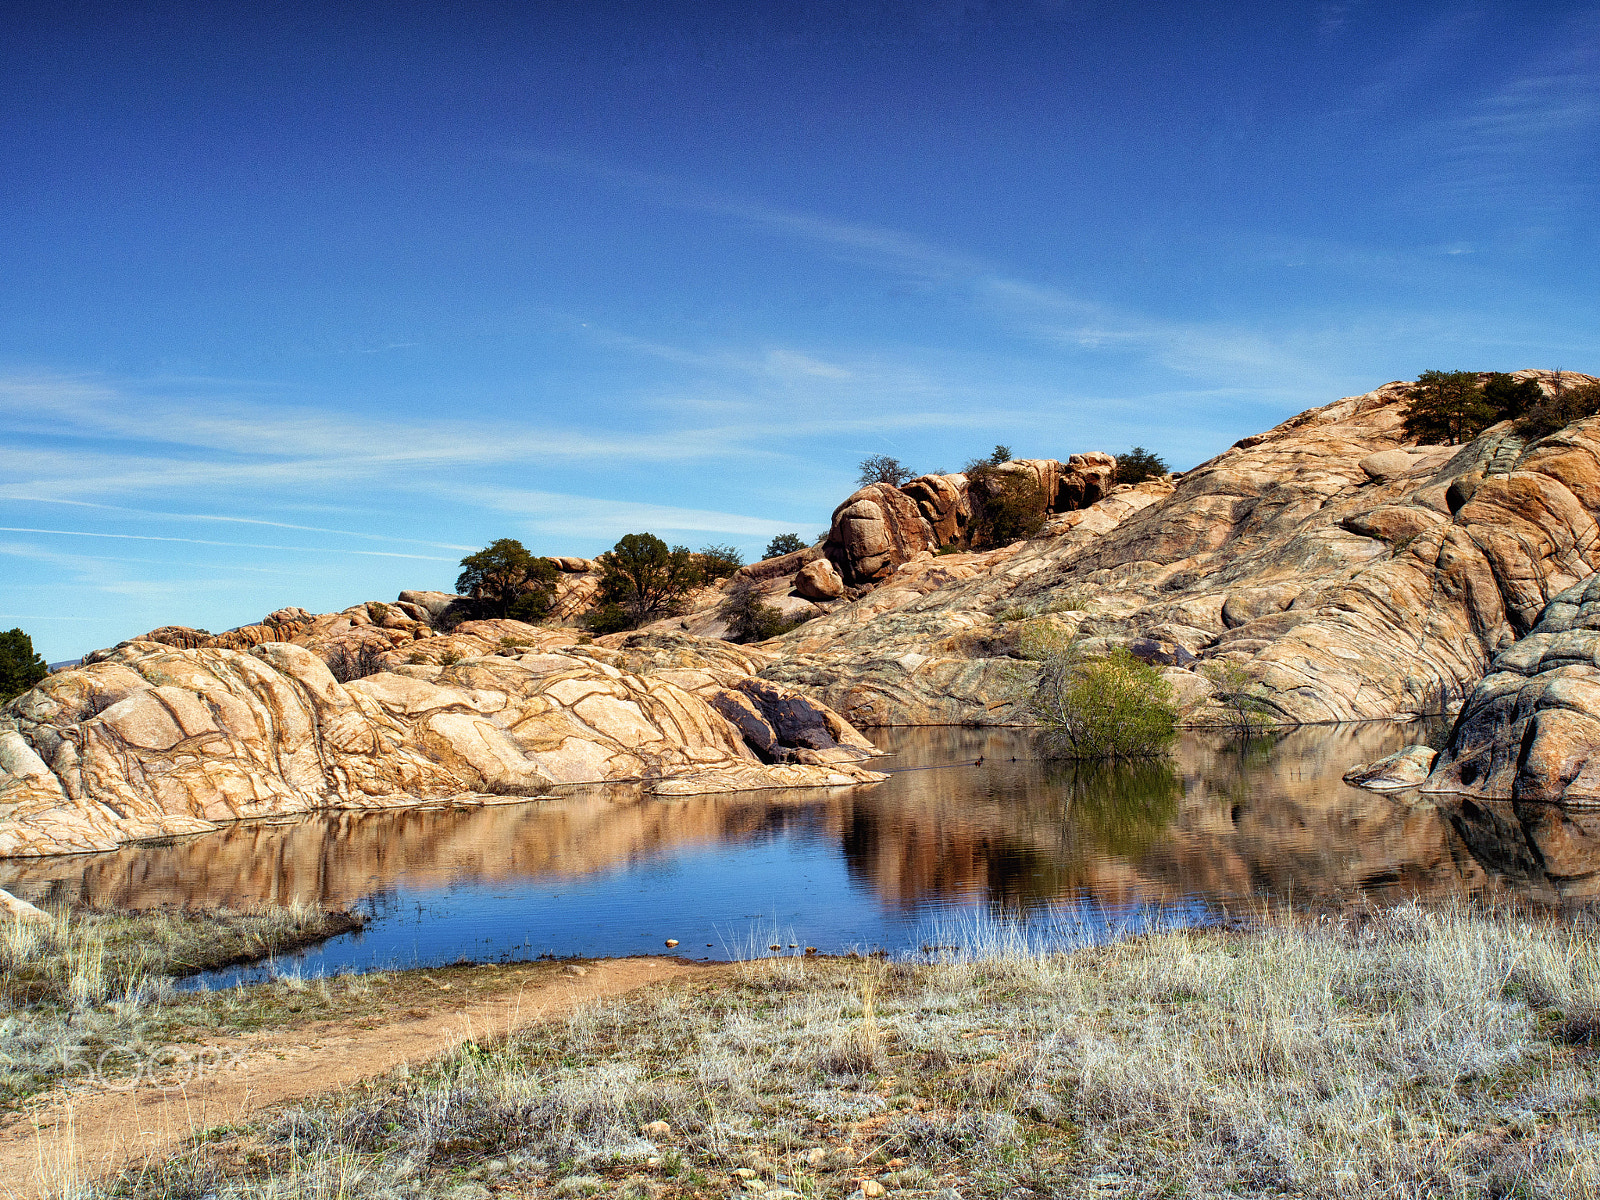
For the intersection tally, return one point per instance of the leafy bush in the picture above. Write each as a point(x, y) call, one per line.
point(1138, 465)
point(1000, 454)
point(1098, 708)
point(1557, 411)
point(608, 618)
point(784, 543)
point(880, 468)
point(719, 562)
point(503, 576)
point(1448, 407)
point(751, 619)
point(20, 666)
point(645, 580)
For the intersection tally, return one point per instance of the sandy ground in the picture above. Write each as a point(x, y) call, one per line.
point(69, 1136)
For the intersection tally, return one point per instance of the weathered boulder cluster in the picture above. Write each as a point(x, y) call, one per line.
point(881, 526)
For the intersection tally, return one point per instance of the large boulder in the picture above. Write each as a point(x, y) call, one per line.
point(819, 580)
point(874, 531)
point(1530, 730)
point(1404, 769)
point(1084, 480)
point(942, 501)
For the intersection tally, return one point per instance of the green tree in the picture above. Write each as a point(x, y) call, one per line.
point(645, 579)
point(880, 468)
point(784, 543)
point(1447, 407)
point(1000, 454)
point(1139, 464)
point(1107, 707)
point(718, 562)
point(1510, 396)
point(20, 667)
point(503, 576)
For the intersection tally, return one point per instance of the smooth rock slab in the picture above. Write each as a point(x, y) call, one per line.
point(1405, 768)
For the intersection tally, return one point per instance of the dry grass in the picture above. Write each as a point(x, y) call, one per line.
point(1406, 1054)
point(92, 992)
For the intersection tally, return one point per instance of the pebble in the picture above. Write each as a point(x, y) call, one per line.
point(671, 942)
point(575, 969)
point(871, 1188)
point(744, 1173)
point(656, 1129)
point(816, 1156)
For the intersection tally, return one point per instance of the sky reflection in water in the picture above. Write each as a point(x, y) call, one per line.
point(1085, 853)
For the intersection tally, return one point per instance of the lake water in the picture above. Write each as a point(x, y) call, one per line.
point(1080, 852)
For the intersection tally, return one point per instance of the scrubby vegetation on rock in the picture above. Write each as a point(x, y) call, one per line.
point(1561, 408)
point(750, 618)
point(880, 468)
point(1139, 464)
point(646, 580)
point(1447, 407)
point(719, 562)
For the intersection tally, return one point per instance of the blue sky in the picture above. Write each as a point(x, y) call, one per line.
point(299, 303)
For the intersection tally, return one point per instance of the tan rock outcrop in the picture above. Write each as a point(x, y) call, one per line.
point(874, 531)
point(149, 740)
point(942, 501)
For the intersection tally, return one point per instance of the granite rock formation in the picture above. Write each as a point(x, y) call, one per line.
point(153, 740)
point(1530, 731)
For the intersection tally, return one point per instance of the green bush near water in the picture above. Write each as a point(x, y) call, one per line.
point(1113, 706)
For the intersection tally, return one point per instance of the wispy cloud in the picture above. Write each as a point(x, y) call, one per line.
point(583, 516)
point(158, 514)
point(148, 537)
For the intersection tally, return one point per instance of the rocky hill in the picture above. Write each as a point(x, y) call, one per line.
point(1347, 573)
point(1353, 575)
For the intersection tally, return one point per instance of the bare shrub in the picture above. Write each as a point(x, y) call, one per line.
point(348, 666)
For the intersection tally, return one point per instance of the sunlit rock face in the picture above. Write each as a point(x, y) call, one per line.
point(1353, 574)
point(151, 740)
point(1530, 730)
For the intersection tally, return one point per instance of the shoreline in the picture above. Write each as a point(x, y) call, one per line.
point(1305, 1055)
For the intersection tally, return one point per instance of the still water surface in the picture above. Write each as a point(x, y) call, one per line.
point(1085, 851)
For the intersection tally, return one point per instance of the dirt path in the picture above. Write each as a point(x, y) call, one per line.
point(74, 1137)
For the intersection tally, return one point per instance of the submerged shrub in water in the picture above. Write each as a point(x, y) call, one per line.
point(1108, 707)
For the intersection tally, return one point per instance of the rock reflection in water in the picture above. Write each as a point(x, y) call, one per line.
point(1219, 824)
